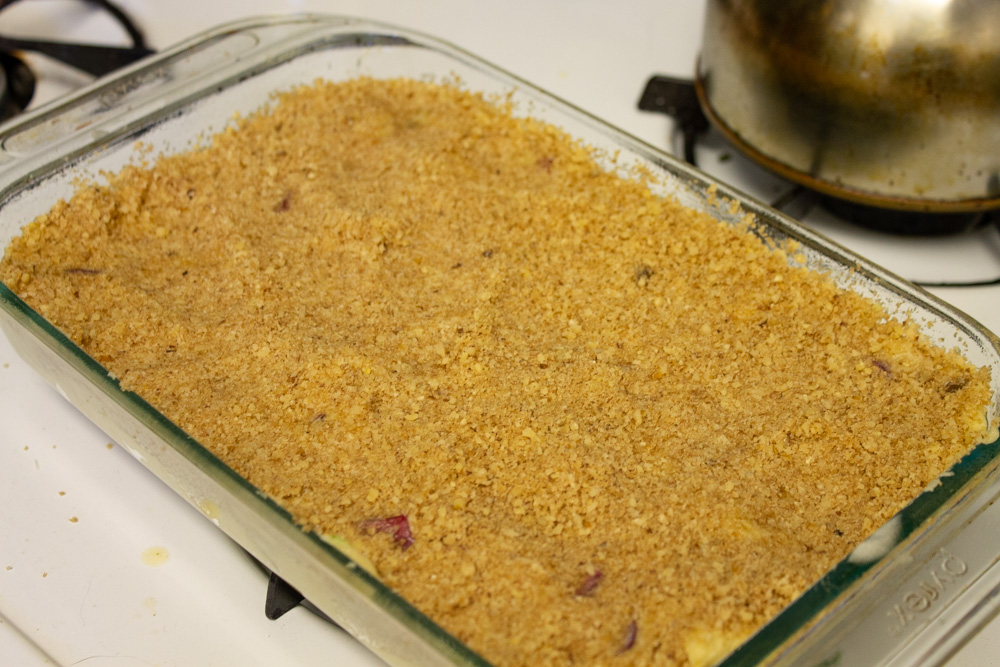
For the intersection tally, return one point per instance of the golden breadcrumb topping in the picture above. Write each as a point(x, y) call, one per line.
point(571, 421)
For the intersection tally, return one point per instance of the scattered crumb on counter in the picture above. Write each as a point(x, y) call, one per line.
point(446, 336)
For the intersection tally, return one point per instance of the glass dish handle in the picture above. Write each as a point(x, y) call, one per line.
point(110, 105)
point(925, 606)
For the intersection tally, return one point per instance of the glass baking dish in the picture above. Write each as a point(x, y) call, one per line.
point(910, 594)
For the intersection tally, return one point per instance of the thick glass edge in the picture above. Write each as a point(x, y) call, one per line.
point(790, 621)
point(359, 33)
point(213, 467)
point(917, 516)
point(134, 72)
point(803, 614)
point(136, 102)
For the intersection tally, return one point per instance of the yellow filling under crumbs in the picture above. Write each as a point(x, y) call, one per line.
point(619, 431)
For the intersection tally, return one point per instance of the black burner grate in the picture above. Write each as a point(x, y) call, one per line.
point(282, 597)
point(17, 85)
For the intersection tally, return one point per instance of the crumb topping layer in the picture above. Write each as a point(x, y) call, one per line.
point(571, 421)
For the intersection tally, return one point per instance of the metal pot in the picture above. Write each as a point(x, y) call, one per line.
point(889, 103)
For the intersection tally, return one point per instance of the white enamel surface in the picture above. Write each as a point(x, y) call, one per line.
point(142, 578)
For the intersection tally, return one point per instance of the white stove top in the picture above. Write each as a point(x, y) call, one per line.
point(101, 564)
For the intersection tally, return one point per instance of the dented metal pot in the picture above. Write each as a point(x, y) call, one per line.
point(890, 103)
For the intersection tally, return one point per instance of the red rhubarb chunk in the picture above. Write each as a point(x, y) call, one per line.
point(399, 526)
point(882, 366)
point(589, 584)
point(631, 632)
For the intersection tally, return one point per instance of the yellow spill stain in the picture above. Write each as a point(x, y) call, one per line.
point(155, 556)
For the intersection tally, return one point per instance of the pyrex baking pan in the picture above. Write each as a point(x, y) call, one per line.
point(910, 593)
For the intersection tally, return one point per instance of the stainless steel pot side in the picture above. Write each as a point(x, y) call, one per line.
point(892, 103)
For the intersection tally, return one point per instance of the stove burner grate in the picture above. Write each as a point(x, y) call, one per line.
point(282, 597)
point(17, 85)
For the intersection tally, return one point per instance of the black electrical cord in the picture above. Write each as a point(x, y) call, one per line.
point(126, 22)
point(90, 58)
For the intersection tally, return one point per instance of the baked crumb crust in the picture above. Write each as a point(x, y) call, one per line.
point(619, 431)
